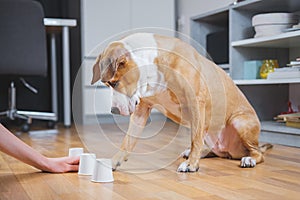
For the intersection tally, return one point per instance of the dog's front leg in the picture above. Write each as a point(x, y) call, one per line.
point(197, 130)
point(136, 125)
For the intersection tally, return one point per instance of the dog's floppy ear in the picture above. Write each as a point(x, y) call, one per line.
point(96, 71)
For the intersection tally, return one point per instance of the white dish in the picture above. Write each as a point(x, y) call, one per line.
point(267, 30)
point(274, 18)
point(292, 29)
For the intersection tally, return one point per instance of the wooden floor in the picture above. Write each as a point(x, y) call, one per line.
point(277, 178)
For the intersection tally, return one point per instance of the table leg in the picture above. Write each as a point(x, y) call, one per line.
point(54, 74)
point(66, 76)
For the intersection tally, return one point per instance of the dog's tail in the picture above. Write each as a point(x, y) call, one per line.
point(263, 148)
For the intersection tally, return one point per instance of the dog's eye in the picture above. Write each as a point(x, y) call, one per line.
point(113, 84)
point(121, 64)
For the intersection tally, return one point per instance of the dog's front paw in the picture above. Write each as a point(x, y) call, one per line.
point(248, 162)
point(118, 158)
point(186, 153)
point(187, 167)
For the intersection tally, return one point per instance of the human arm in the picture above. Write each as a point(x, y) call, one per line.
point(16, 148)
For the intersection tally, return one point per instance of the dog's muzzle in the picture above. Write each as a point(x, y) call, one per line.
point(115, 110)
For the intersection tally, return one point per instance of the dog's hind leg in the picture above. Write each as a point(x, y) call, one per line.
point(136, 126)
point(248, 128)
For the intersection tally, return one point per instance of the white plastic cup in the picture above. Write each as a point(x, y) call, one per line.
point(102, 171)
point(86, 164)
point(73, 152)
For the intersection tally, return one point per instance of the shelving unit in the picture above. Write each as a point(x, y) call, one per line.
point(284, 40)
point(283, 47)
point(205, 24)
point(268, 97)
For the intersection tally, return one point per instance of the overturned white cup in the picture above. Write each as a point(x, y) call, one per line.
point(87, 163)
point(102, 171)
point(75, 151)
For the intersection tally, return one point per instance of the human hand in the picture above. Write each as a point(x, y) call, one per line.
point(61, 164)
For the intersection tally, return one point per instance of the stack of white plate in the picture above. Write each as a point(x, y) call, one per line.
point(273, 23)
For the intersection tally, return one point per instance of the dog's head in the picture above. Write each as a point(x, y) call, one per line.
point(115, 68)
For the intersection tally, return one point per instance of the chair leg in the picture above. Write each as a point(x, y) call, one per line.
point(4, 113)
point(12, 97)
point(28, 120)
point(12, 112)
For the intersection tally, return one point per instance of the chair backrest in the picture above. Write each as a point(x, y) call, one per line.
point(23, 48)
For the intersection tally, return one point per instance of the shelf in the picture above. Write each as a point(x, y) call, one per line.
point(284, 40)
point(277, 133)
point(273, 126)
point(224, 66)
point(220, 14)
point(264, 6)
point(266, 81)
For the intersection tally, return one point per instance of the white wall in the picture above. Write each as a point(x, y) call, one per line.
point(190, 8)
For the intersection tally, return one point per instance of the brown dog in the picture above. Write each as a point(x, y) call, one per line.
point(147, 70)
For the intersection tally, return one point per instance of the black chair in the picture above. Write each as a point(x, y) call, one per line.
point(23, 52)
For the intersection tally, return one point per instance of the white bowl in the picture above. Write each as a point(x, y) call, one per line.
point(268, 30)
point(274, 18)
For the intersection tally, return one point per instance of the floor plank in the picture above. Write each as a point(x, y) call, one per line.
point(142, 176)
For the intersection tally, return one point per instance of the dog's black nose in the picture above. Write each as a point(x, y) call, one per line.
point(115, 110)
